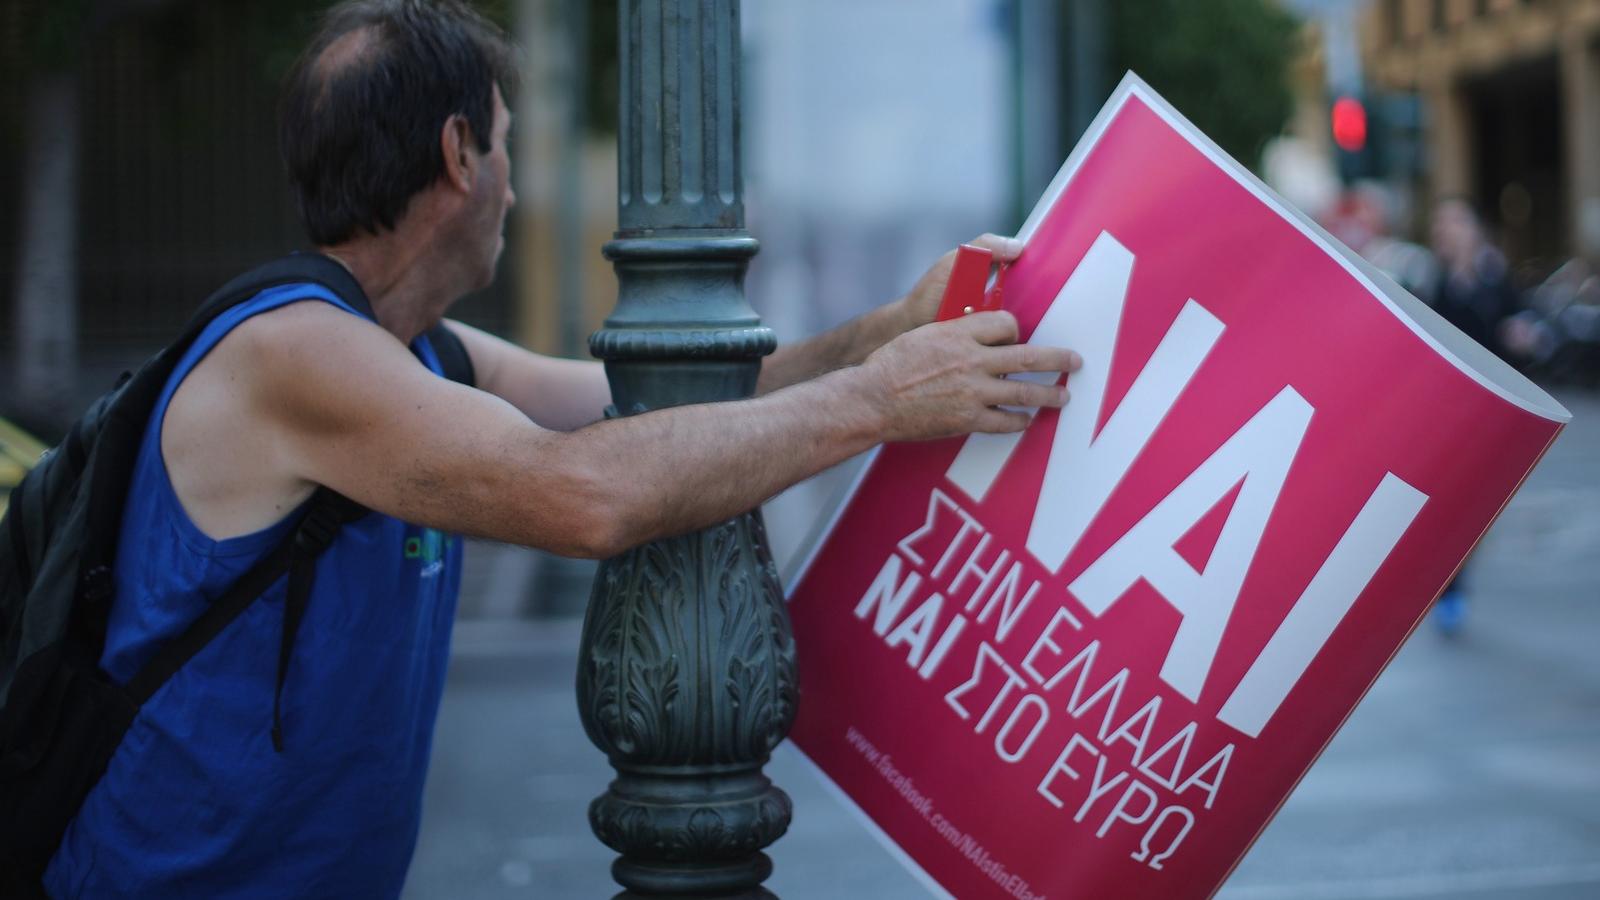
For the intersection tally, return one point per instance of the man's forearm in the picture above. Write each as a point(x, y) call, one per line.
point(685, 468)
point(673, 471)
point(612, 485)
point(845, 345)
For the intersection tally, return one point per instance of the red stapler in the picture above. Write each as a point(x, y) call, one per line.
point(965, 292)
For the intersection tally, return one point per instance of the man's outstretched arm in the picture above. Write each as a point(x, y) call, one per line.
point(348, 407)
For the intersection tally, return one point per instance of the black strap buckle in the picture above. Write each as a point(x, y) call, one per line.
point(315, 533)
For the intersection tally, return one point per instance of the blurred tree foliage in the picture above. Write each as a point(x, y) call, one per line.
point(41, 34)
point(1222, 63)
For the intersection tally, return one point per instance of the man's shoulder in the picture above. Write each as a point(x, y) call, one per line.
point(307, 331)
point(280, 378)
point(307, 309)
point(281, 362)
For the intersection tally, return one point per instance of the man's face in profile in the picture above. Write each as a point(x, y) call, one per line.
point(492, 197)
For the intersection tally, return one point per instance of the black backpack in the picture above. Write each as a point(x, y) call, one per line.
point(61, 716)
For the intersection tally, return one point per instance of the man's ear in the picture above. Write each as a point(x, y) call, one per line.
point(460, 160)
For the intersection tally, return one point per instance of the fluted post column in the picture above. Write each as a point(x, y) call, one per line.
point(686, 675)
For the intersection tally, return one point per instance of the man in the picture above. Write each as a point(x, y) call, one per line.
point(394, 131)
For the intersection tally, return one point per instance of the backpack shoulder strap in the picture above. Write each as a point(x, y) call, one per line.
point(326, 512)
point(453, 357)
point(313, 267)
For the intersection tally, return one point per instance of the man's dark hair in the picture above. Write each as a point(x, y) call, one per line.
point(364, 105)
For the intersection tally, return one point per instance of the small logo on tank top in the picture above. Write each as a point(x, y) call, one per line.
point(427, 547)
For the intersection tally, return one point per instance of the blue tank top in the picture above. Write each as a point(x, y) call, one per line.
point(196, 802)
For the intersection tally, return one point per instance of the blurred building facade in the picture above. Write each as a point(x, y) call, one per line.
point(1510, 94)
point(140, 168)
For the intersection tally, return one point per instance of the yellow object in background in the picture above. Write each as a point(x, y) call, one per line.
point(19, 451)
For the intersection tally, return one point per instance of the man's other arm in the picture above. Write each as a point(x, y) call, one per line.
point(347, 406)
point(559, 394)
point(855, 340)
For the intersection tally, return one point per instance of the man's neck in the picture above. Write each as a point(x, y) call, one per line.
point(407, 293)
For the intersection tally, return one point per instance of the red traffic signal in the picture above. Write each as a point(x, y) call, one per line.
point(1349, 124)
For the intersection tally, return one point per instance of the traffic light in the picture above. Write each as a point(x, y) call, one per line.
point(1377, 134)
point(1354, 149)
point(1349, 124)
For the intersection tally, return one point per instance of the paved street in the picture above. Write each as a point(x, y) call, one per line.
point(1472, 770)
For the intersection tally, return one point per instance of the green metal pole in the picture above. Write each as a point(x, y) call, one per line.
point(686, 673)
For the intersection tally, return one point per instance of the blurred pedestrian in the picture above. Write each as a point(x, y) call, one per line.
point(1412, 266)
point(1474, 291)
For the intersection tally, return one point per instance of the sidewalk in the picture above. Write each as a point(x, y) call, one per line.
point(1472, 770)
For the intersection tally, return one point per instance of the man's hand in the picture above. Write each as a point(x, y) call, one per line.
point(948, 378)
point(921, 305)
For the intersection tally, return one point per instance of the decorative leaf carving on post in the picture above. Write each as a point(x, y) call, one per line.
point(689, 664)
point(649, 645)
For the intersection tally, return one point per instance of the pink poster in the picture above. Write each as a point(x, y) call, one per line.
point(1093, 659)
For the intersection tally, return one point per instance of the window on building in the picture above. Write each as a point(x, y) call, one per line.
point(1394, 31)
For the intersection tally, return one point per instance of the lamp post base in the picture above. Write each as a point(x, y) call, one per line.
point(687, 682)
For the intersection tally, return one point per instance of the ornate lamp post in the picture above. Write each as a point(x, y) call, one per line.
point(686, 673)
